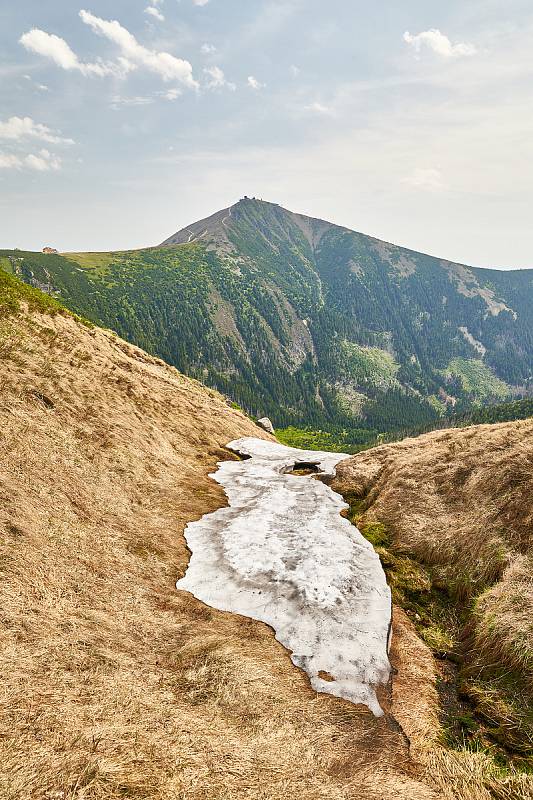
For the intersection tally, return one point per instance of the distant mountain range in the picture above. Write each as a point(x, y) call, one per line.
point(305, 321)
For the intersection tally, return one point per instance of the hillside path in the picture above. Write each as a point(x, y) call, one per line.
point(282, 553)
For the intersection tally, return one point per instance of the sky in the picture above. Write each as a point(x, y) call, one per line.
point(122, 121)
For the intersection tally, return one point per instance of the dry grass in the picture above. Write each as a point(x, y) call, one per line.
point(459, 502)
point(504, 621)
point(115, 685)
point(474, 776)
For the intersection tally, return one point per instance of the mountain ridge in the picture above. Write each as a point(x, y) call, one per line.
point(181, 236)
point(308, 322)
point(305, 222)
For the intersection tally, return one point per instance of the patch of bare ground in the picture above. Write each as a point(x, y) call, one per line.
point(451, 515)
point(114, 684)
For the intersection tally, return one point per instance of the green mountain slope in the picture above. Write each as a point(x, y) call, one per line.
point(306, 321)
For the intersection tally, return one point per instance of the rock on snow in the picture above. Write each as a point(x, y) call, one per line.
point(282, 554)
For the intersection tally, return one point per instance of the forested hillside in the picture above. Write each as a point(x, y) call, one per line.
point(502, 412)
point(306, 321)
point(350, 440)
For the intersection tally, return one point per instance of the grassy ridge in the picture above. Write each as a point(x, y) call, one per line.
point(13, 292)
point(484, 706)
point(450, 519)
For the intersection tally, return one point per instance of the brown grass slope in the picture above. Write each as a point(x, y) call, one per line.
point(460, 503)
point(115, 685)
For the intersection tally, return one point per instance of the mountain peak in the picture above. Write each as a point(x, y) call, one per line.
point(301, 320)
point(215, 227)
point(260, 214)
point(212, 226)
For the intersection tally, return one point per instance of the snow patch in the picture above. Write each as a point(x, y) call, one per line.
point(282, 554)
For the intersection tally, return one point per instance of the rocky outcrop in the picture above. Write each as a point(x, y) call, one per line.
point(266, 424)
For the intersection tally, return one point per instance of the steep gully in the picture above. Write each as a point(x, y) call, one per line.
point(282, 553)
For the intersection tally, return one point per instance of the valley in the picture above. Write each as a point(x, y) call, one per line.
point(309, 323)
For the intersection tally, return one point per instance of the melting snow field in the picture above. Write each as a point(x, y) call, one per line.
point(282, 554)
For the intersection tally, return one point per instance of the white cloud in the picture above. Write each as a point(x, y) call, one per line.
point(152, 11)
point(253, 83)
point(207, 48)
point(200, 2)
point(172, 94)
point(43, 161)
point(217, 79)
point(57, 50)
point(119, 101)
point(8, 161)
point(439, 43)
point(295, 71)
point(40, 86)
point(318, 108)
point(51, 46)
point(425, 178)
point(17, 128)
point(135, 55)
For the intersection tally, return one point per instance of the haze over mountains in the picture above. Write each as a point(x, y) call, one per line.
point(306, 321)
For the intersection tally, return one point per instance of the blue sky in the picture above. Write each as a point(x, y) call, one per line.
point(124, 120)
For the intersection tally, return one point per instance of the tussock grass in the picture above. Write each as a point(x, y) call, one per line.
point(503, 631)
point(10, 340)
point(475, 776)
point(456, 506)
